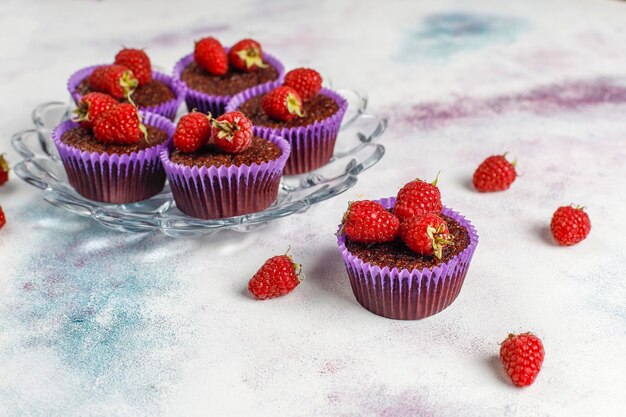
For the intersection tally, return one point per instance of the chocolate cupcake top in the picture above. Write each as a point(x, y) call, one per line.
point(150, 94)
point(396, 254)
point(259, 151)
point(233, 82)
point(84, 139)
point(318, 108)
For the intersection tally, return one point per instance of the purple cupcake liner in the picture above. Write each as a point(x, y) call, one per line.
point(113, 178)
point(312, 146)
point(218, 192)
point(216, 105)
point(409, 295)
point(168, 109)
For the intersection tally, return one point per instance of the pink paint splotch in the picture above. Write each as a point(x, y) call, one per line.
point(570, 96)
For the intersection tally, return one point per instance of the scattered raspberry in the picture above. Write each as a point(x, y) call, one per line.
point(570, 225)
point(522, 356)
point(91, 106)
point(282, 103)
point(120, 124)
point(246, 55)
point(115, 80)
point(192, 132)
point(4, 170)
point(418, 197)
point(278, 276)
point(369, 222)
point(494, 174)
point(307, 82)
point(210, 55)
point(138, 62)
point(3, 220)
point(426, 234)
point(232, 132)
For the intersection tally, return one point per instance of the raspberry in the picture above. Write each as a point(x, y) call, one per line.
point(282, 103)
point(278, 276)
point(570, 225)
point(418, 197)
point(91, 106)
point(4, 169)
point(210, 55)
point(307, 82)
point(522, 356)
point(138, 62)
point(192, 132)
point(114, 80)
point(369, 222)
point(232, 132)
point(426, 234)
point(494, 174)
point(120, 124)
point(246, 55)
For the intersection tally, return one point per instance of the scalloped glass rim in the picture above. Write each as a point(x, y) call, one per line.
point(356, 151)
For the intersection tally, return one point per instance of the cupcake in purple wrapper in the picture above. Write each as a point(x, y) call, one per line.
point(151, 91)
point(217, 168)
point(115, 169)
point(214, 74)
point(301, 111)
point(393, 281)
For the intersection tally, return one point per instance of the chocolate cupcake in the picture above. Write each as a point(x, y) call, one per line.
point(210, 91)
point(161, 95)
point(390, 280)
point(114, 172)
point(312, 136)
point(214, 176)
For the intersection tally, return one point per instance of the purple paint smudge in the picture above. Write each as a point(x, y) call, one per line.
point(543, 100)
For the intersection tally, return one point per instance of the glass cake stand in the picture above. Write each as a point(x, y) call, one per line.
point(356, 151)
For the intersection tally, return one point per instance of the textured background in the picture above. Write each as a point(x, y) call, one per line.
point(98, 323)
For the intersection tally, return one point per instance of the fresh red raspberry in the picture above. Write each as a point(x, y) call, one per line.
point(246, 55)
point(138, 62)
point(210, 55)
point(120, 124)
point(494, 174)
point(278, 276)
point(4, 169)
point(91, 106)
point(3, 220)
point(418, 197)
point(282, 103)
point(369, 222)
point(426, 234)
point(522, 356)
point(115, 80)
point(192, 132)
point(570, 225)
point(232, 132)
point(307, 82)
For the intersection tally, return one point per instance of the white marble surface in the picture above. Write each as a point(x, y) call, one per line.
point(98, 323)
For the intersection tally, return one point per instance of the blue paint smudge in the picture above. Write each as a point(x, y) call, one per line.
point(445, 34)
point(86, 297)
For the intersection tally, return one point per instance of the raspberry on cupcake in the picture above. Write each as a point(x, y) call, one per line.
point(214, 74)
point(111, 154)
point(218, 168)
point(408, 267)
point(130, 78)
point(301, 111)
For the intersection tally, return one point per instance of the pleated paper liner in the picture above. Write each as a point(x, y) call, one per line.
point(113, 178)
point(312, 146)
point(404, 294)
point(218, 192)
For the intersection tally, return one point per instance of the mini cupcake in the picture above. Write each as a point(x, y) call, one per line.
point(131, 74)
point(301, 111)
point(218, 168)
point(405, 268)
point(113, 157)
point(213, 74)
